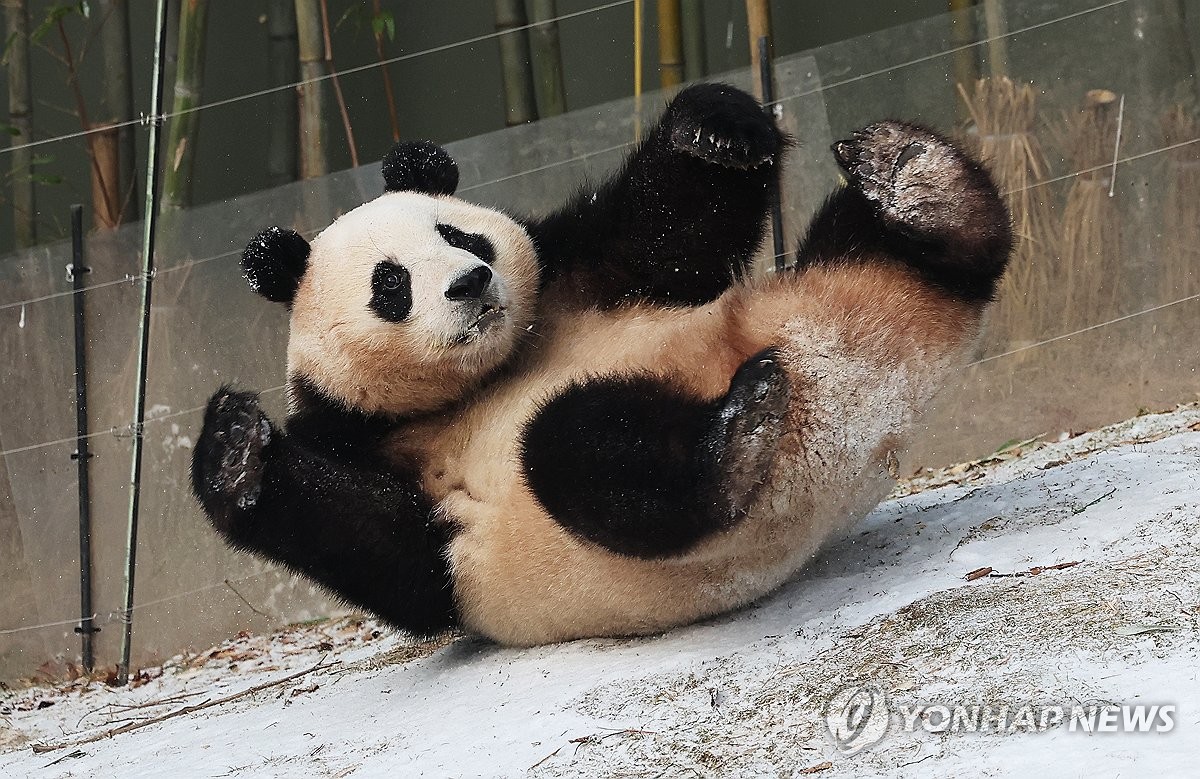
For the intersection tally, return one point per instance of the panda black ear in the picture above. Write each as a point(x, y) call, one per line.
point(420, 166)
point(274, 262)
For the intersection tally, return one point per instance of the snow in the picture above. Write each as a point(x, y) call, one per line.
point(746, 694)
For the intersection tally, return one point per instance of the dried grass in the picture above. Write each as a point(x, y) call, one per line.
point(1180, 274)
point(1005, 117)
point(1088, 270)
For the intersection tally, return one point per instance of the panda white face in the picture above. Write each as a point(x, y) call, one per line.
point(409, 299)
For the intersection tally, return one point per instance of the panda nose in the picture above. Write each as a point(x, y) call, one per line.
point(470, 286)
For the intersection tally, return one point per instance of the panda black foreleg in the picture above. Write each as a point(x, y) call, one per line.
point(638, 467)
point(914, 197)
point(364, 534)
point(683, 217)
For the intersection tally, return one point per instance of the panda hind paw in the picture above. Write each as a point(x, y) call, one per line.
point(920, 182)
point(741, 441)
point(229, 459)
point(723, 126)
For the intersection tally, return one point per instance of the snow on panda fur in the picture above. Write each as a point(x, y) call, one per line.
point(595, 424)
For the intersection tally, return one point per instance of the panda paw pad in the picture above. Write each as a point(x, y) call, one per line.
point(908, 172)
point(230, 453)
point(742, 439)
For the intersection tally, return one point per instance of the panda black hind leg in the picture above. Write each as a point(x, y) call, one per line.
point(363, 533)
point(637, 466)
point(914, 196)
point(681, 220)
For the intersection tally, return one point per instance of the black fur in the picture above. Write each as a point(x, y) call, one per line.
point(326, 425)
point(476, 244)
point(274, 262)
point(419, 166)
point(391, 292)
point(680, 222)
point(954, 228)
point(638, 467)
point(366, 534)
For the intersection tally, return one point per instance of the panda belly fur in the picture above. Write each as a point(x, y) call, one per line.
point(864, 347)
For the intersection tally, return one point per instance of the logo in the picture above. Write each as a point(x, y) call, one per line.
point(857, 718)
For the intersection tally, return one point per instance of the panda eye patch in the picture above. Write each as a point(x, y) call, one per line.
point(476, 244)
point(391, 292)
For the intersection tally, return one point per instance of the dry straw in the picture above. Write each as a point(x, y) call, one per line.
point(1005, 117)
point(1181, 208)
point(1089, 267)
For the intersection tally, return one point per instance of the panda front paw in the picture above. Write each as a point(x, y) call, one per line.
point(723, 126)
point(741, 440)
point(229, 460)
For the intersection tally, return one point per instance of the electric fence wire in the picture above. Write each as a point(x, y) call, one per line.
point(121, 615)
point(326, 77)
point(627, 144)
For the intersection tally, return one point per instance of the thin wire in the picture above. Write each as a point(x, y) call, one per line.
point(23, 628)
point(954, 50)
point(120, 615)
point(348, 71)
point(1082, 330)
point(617, 147)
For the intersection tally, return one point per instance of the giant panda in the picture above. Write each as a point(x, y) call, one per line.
point(596, 423)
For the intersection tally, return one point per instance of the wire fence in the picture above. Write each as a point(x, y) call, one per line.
point(131, 428)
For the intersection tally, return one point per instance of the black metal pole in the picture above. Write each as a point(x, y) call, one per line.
point(86, 617)
point(139, 411)
point(768, 99)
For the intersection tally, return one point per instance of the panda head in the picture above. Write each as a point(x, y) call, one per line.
point(406, 302)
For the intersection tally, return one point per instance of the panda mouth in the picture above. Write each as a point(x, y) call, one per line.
point(488, 317)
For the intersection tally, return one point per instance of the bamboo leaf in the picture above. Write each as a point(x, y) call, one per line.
point(8, 129)
point(42, 159)
point(55, 14)
point(384, 22)
point(46, 178)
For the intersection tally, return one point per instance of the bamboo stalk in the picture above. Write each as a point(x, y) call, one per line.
point(670, 44)
point(966, 62)
point(758, 23)
point(381, 55)
point(117, 97)
point(105, 211)
point(284, 67)
point(311, 91)
point(996, 23)
point(549, 84)
point(520, 106)
point(337, 84)
point(695, 56)
point(20, 116)
point(189, 82)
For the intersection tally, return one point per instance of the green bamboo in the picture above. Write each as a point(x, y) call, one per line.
point(670, 44)
point(189, 81)
point(695, 56)
point(20, 118)
point(548, 79)
point(284, 66)
point(313, 73)
point(520, 106)
point(117, 97)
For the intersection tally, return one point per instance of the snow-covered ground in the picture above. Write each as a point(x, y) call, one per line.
point(1061, 574)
